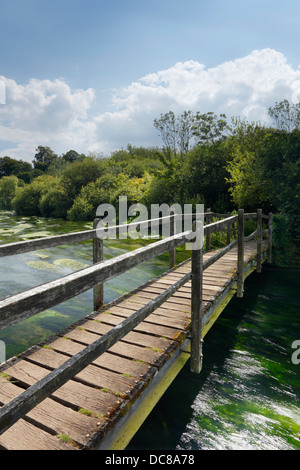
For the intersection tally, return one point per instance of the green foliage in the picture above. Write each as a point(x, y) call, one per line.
point(43, 158)
point(246, 187)
point(204, 176)
point(27, 199)
point(8, 188)
point(208, 127)
point(285, 115)
point(107, 189)
point(79, 174)
point(10, 166)
point(54, 202)
point(176, 131)
point(283, 244)
point(135, 161)
point(243, 164)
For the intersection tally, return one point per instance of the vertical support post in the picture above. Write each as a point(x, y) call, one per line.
point(259, 240)
point(173, 250)
point(270, 232)
point(98, 297)
point(196, 305)
point(208, 239)
point(240, 260)
point(228, 231)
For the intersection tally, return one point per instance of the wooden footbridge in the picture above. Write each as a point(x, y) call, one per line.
point(92, 385)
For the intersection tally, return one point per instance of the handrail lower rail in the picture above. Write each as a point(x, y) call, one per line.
point(37, 299)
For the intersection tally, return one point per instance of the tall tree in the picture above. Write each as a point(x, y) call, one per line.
point(286, 116)
point(208, 127)
point(43, 158)
point(176, 132)
point(72, 156)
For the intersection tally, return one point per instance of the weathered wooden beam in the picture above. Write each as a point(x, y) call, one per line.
point(25, 304)
point(208, 236)
point(240, 261)
point(16, 248)
point(173, 250)
point(228, 231)
point(26, 401)
point(98, 290)
point(219, 254)
point(250, 215)
point(251, 236)
point(9, 249)
point(196, 308)
point(220, 225)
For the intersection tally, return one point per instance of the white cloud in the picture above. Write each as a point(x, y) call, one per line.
point(47, 112)
point(244, 87)
point(43, 112)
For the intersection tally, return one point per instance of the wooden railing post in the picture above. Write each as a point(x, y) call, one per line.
point(173, 250)
point(98, 290)
point(196, 306)
point(270, 231)
point(259, 240)
point(228, 231)
point(240, 260)
point(208, 236)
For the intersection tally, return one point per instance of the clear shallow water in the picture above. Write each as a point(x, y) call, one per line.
point(24, 271)
point(248, 393)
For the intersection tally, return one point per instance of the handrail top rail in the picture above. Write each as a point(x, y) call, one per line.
point(24, 246)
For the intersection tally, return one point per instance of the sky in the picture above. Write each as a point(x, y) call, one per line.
point(92, 75)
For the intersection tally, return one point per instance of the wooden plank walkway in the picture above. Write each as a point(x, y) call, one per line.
point(103, 406)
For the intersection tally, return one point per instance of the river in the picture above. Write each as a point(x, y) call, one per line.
point(247, 395)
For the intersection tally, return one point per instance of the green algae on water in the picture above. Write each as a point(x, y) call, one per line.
point(44, 266)
point(70, 263)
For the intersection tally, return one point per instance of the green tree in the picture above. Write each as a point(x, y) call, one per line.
point(43, 158)
point(11, 166)
point(208, 127)
point(107, 189)
point(72, 156)
point(204, 176)
point(8, 188)
point(79, 174)
point(286, 116)
point(176, 132)
point(91, 196)
point(54, 202)
point(27, 199)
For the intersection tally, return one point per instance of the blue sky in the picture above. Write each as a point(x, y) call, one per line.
point(95, 73)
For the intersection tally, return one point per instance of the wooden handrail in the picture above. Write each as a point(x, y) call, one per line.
point(32, 301)
point(35, 300)
point(9, 249)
